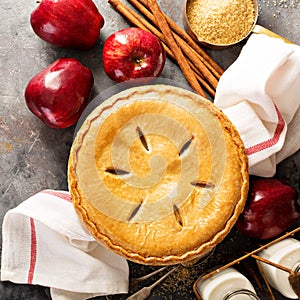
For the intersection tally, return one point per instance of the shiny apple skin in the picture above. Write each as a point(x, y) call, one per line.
point(271, 209)
point(133, 53)
point(73, 24)
point(59, 93)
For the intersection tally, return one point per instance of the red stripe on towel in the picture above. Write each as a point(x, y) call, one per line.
point(32, 251)
point(272, 141)
point(64, 196)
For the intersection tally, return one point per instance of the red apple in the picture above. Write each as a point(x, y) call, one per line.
point(271, 208)
point(72, 24)
point(133, 53)
point(59, 93)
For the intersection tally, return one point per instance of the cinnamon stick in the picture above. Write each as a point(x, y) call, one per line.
point(211, 64)
point(189, 52)
point(205, 85)
point(142, 23)
point(136, 20)
point(181, 60)
point(206, 69)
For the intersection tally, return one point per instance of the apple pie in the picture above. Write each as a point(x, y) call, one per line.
point(158, 174)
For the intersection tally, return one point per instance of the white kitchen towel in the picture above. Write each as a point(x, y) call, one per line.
point(260, 93)
point(44, 243)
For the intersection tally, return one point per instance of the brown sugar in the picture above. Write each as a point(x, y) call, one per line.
point(220, 22)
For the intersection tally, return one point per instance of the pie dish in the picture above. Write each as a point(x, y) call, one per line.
point(158, 174)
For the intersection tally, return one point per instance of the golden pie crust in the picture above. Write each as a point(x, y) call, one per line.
point(158, 174)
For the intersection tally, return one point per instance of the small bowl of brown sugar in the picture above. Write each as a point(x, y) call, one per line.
point(220, 23)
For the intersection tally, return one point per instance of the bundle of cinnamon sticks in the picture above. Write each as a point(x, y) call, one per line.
point(199, 69)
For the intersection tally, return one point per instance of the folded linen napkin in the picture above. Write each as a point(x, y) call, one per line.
point(45, 244)
point(259, 92)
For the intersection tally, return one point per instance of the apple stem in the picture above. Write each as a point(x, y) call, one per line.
point(38, 1)
point(137, 61)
